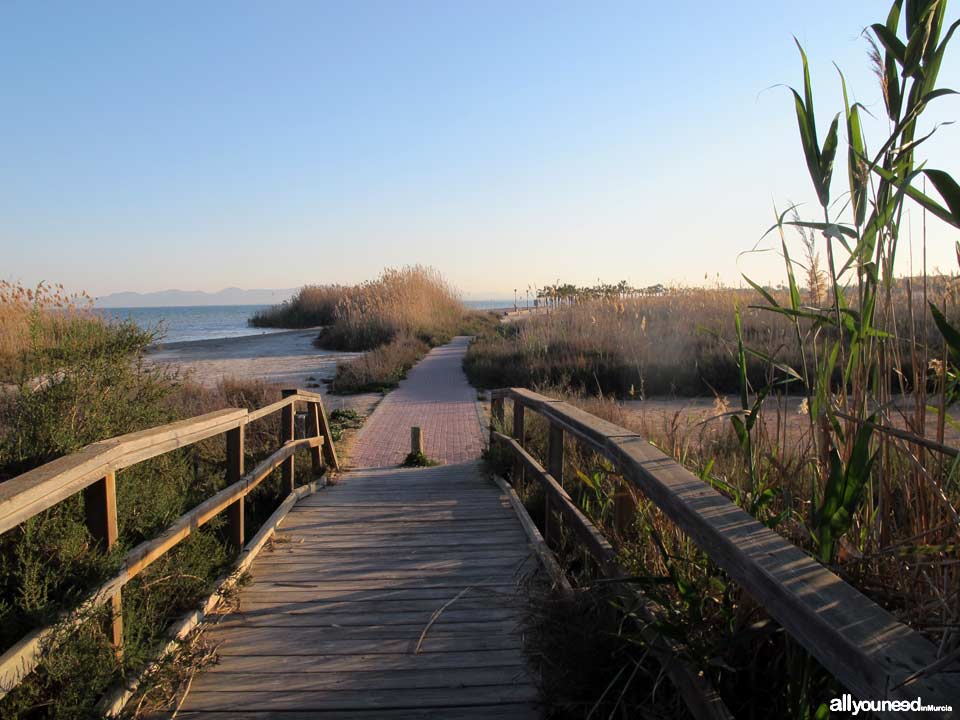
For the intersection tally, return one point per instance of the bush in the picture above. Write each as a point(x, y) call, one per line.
point(313, 305)
point(380, 369)
point(413, 301)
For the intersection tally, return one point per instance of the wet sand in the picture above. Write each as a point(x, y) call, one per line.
point(286, 358)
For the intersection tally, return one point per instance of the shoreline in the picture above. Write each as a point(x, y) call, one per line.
point(214, 342)
point(287, 358)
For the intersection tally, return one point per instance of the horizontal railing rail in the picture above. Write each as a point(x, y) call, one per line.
point(862, 645)
point(92, 471)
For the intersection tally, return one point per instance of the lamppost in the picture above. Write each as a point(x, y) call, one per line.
point(514, 299)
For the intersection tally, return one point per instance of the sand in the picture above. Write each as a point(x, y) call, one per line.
point(286, 358)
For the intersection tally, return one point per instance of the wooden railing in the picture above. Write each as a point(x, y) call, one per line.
point(93, 469)
point(862, 645)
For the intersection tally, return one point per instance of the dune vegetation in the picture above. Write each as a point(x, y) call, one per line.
point(72, 379)
point(395, 319)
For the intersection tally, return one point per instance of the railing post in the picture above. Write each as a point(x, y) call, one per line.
point(624, 509)
point(555, 468)
point(235, 514)
point(416, 440)
point(496, 417)
point(286, 435)
point(518, 435)
point(100, 508)
point(313, 430)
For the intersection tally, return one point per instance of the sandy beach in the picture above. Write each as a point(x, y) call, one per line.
point(286, 358)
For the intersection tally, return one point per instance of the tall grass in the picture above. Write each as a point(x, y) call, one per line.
point(681, 342)
point(413, 301)
point(312, 306)
point(40, 319)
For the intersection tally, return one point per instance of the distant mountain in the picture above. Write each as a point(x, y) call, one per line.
point(178, 298)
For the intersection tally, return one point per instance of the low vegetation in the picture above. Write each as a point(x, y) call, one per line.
point(74, 380)
point(381, 369)
point(394, 320)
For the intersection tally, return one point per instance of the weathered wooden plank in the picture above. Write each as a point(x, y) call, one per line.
point(312, 665)
point(298, 644)
point(294, 593)
point(348, 607)
point(361, 699)
point(275, 615)
point(500, 711)
point(220, 680)
point(351, 565)
point(400, 540)
point(463, 578)
point(285, 638)
point(283, 550)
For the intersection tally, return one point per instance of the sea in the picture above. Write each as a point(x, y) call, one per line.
point(208, 322)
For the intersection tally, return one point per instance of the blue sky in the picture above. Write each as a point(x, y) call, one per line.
point(145, 146)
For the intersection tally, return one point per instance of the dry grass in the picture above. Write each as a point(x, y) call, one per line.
point(682, 342)
point(380, 369)
point(312, 306)
point(413, 301)
point(39, 319)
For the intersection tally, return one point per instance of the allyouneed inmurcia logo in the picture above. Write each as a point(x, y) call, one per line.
point(846, 703)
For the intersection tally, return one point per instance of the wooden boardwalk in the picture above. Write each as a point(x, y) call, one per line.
point(331, 623)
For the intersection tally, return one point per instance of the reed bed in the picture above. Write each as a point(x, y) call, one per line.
point(312, 306)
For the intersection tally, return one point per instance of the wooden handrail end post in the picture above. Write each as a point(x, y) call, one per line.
point(235, 512)
point(288, 433)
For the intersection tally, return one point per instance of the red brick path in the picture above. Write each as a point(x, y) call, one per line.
point(436, 397)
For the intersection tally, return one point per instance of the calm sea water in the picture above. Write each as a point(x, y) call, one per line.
point(201, 322)
point(205, 322)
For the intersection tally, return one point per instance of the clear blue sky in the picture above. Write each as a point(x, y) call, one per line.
point(145, 146)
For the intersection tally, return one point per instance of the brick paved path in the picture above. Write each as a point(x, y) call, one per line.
point(435, 396)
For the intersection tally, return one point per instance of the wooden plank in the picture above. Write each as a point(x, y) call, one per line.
point(859, 642)
point(280, 551)
point(293, 593)
point(386, 605)
point(270, 409)
point(377, 562)
point(401, 541)
point(298, 643)
point(364, 699)
point(537, 543)
point(414, 678)
point(314, 665)
point(463, 578)
point(288, 633)
point(398, 523)
point(273, 615)
point(501, 711)
point(313, 429)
